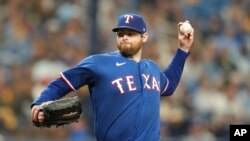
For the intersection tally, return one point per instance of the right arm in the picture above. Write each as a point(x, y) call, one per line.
point(70, 80)
point(55, 90)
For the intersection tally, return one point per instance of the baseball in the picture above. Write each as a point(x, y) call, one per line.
point(186, 27)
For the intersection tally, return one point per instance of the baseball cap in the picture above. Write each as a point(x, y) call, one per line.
point(131, 21)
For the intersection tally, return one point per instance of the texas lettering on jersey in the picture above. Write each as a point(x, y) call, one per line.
point(129, 81)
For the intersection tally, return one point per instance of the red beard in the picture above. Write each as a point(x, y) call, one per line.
point(128, 49)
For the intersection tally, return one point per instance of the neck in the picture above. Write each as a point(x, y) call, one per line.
point(137, 56)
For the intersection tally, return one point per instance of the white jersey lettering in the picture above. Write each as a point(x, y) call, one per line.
point(146, 85)
point(149, 83)
point(130, 82)
point(117, 82)
point(155, 85)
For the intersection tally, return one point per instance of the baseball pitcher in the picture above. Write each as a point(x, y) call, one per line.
point(125, 88)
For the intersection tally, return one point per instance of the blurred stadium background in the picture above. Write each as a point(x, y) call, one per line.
point(39, 38)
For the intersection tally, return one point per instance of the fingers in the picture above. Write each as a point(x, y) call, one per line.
point(37, 115)
point(185, 35)
point(34, 113)
point(191, 35)
point(40, 117)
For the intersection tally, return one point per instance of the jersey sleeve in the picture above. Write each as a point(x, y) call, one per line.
point(172, 74)
point(81, 74)
point(71, 79)
point(164, 83)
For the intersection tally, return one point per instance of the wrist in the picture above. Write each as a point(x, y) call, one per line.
point(183, 53)
point(184, 49)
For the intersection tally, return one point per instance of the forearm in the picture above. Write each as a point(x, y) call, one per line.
point(55, 90)
point(175, 69)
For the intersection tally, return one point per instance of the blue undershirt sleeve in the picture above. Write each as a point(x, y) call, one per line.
point(174, 71)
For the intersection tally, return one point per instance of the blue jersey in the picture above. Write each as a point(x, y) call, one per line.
point(125, 94)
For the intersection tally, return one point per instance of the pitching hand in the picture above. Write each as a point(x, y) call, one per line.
point(185, 38)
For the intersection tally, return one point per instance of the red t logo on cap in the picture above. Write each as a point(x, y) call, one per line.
point(128, 17)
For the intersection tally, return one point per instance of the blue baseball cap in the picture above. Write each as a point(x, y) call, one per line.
point(131, 21)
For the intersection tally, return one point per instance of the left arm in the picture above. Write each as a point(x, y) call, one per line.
point(175, 69)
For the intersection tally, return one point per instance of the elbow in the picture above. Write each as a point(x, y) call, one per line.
point(169, 91)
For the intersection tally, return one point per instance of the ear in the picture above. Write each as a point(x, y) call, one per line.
point(145, 37)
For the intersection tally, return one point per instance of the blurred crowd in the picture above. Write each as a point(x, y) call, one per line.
point(40, 38)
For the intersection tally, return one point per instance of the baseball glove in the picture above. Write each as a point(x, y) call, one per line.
point(60, 112)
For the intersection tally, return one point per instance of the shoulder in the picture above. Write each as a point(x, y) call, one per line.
point(104, 56)
point(151, 64)
point(100, 58)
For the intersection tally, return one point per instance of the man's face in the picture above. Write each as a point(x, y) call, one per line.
point(129, 42)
